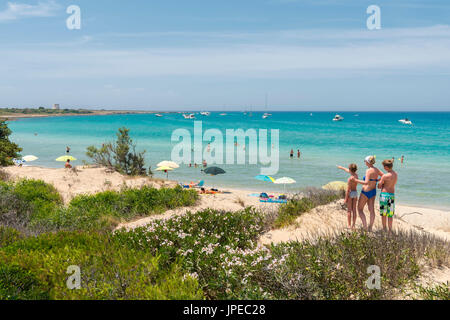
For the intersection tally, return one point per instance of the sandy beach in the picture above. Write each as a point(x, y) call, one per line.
point(322, 220)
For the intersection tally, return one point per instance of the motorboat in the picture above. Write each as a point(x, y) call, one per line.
point(158, 115)
point(266, 115)
point(206, 114)
point(189, 116)
point(405, 121)
point(338, 118)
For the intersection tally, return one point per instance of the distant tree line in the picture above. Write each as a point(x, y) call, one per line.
point(42, 110)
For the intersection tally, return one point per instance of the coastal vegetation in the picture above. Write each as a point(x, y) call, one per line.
point(8, 150)
point(120, 156)
point(34, 207)
point(41, 111)
point(210, 254)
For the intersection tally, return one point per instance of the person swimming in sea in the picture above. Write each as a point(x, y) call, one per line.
point(369, 192)
point(351, 195)
point(387, 196)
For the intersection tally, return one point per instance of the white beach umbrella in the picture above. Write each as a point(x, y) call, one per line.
point(29, 158)
point(284, 181)
point(169, 164)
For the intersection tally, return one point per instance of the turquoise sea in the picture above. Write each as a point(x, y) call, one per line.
point(424, 177)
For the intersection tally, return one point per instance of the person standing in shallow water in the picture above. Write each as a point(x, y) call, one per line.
point(369, 192)
point(67, 149)
point(292, 153)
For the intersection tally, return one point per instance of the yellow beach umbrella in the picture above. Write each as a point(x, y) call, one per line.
point(335, 185)
point(170, 164)
point(165, 169)
point(65, 158)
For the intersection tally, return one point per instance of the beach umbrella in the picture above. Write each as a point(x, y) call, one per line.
point(214, 171)
point(265, 178)
point(284, 181)
point(165, 169)
point(65, 158)
point(29, 158)
point(336, 185)
point(18, 162)
point(170, 164)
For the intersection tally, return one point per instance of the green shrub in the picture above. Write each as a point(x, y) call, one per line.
point(17, 283)
point(26, 203)
point(200, 240)
point(120, 155)
point(9, 235)
point(108, 270)
point(8, 149)
point(337, 268)
point(438, 292)
point(34, 207)
point(103, 211)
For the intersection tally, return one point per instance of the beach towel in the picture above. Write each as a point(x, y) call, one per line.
point(273, 200)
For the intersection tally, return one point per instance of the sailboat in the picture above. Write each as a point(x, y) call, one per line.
point(266, 114)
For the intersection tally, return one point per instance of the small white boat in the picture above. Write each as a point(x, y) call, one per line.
point(189, 116)
point(158, 115)
point(338, 118)
point(223, 114)
point(405, 121)
point(206, 114)
point(266, 115)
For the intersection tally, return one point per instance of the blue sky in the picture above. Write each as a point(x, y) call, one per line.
point(226, 54)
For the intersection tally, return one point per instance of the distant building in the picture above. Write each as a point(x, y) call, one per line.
point(56, 106)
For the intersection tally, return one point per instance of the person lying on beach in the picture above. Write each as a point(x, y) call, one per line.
point(351, 195)
point(212, 191)
point(387, 196)
point(68, 165)
point(369, 192)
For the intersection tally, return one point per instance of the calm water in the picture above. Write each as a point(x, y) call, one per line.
point(424, 177)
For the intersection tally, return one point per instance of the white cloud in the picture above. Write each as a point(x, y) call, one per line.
point(16, 10)
point(425, 50)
